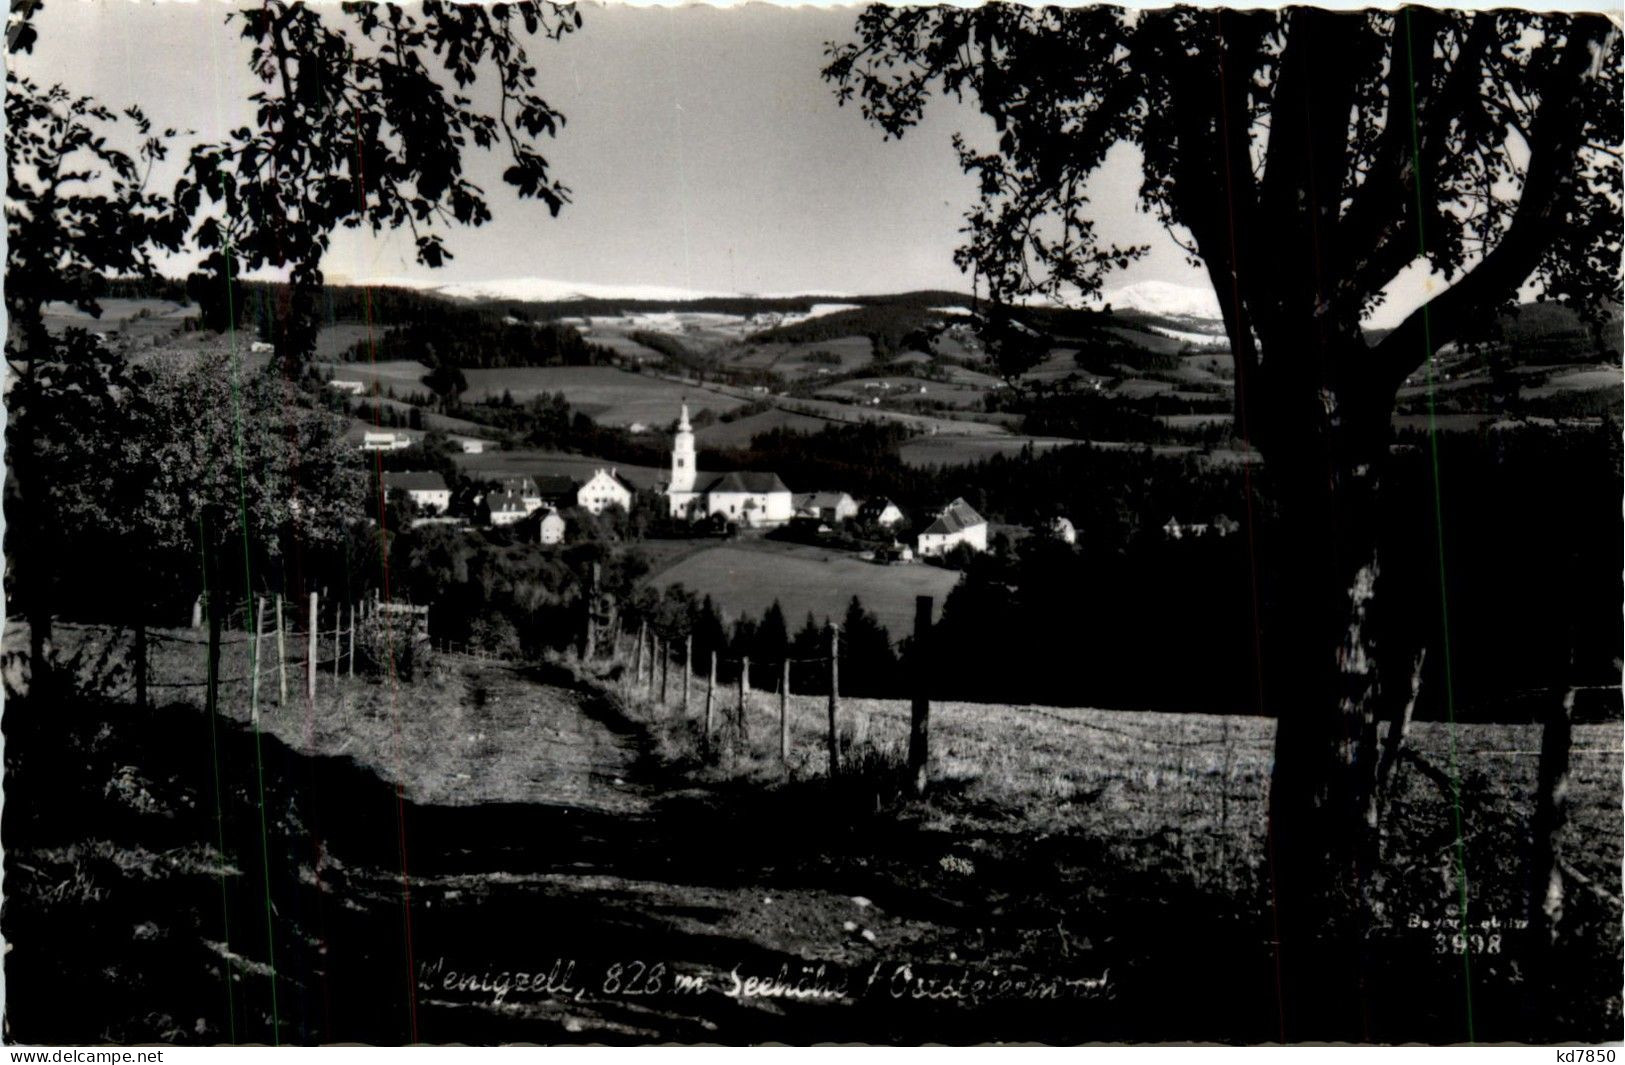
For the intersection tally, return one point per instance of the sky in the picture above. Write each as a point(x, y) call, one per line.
point(702, 149)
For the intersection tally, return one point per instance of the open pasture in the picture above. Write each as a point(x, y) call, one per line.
point(747, 577)
point(797, 362)
point(403, 375)
point(948, 450)
point(740, 431)
point(608, 395)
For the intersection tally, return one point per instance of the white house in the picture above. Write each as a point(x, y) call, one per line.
point(1063, 530)
point(552, 528)
point(384, 441)
point(354, 388)
point(743, 497)
point(881, 511)
point(604, 489)
point(471, 445)
point(526, 490)
point(507, 508)
point(956, 524)
point(426, 489)
point(826, 506)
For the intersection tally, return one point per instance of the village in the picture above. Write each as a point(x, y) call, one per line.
point(731, 504)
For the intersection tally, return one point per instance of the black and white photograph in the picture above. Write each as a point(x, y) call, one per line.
point(571, 523)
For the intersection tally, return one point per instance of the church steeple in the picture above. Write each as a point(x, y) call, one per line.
point(682, 455)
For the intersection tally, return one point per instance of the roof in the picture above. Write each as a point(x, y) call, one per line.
point(415, 480)
point(821, 499)
point(748, 481)
point(876, 505)
point(497, 501)
point(612, 475)
point(955, 517)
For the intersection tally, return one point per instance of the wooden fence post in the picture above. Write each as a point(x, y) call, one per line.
point(688, 668)
point(589, 652)
point(637, 654)
point(311, 650)
point(665, 668)
point(254, 664)
point(281, 657)
point(710, 697)
point(352, 641)
point(919, 731)
point(338, 623)
point(212, 698)
point(784, 714)
point(649, 685)
point(834, 698)
point(744, 683)
point(1551, 811)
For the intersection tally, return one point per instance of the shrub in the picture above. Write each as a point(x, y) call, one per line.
point(383, 639)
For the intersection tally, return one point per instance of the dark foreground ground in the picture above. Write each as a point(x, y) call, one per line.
point(170, 878)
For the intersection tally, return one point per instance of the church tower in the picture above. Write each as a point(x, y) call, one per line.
point(682, 456)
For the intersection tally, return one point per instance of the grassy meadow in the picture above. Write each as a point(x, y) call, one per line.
point(748, 576)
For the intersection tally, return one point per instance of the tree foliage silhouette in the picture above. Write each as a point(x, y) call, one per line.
point(1304, 158)
point(363, 121)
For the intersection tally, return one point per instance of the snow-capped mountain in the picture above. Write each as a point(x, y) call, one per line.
point(1164, 298)
point(548, 290)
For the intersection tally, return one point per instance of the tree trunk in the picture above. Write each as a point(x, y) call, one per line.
point(1321, 685)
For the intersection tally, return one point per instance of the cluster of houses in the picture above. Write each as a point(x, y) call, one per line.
point(517, 499)
point(756, 500)
point(745, 499)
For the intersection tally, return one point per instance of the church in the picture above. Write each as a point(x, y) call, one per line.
point(743, 498)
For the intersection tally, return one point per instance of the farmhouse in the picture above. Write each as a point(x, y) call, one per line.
point(746, 498)
point(552, 528)
point(826, 506)
point(426, 489)
point(384, 441)
point(880, 511)
point(956, 524)
point(471, 445)
point(526, 490)
point(604, 489)
point(354, 388)
point(507, 508)
point(1062, 530)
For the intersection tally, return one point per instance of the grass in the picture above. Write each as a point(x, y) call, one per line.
point(739, 432)
point(747, 577)
point(945, 450)
point(1183, 799)
point(609, 395)
point(1043, 830)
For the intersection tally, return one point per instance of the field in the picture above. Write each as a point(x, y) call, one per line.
point(554, 810)
point(796, 362)
point(403, 375)
point(739, 432)
point(608, 395)
point(747, 577)
point(945, 450)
